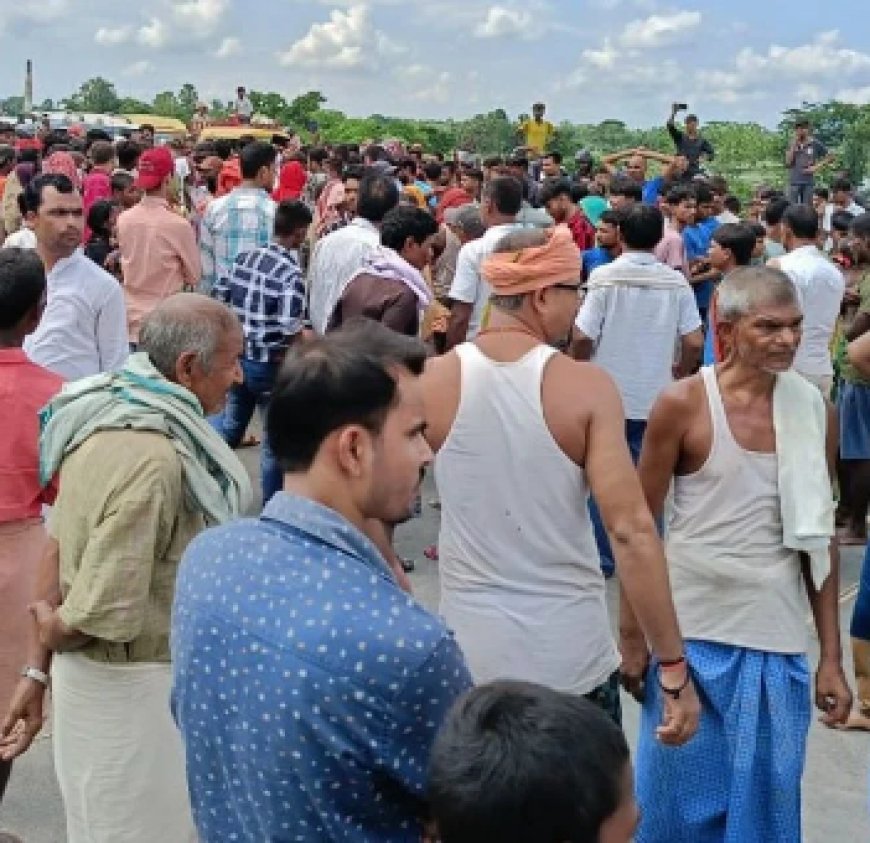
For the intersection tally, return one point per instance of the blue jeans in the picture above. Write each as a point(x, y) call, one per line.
point(242, 400)
point(860, 626)
point(634, 431)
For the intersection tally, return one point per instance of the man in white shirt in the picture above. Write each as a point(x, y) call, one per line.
point(340, 255)
point(84, 328)
point(244, 106)
point(636, 312)
point(469, 293)
point(842, 199)
point(820, 286)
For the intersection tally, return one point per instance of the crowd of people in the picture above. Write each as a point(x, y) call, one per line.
point(611, 371)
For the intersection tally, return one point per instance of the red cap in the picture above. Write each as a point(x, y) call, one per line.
point(154, 167)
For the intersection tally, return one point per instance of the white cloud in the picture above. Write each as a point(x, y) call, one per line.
point(228, 47)
point(347, 41)
point(202, 15)
point(604, 58)
point(153, 34)
point(109, 36)
point(859, 96)
point(138, 68)
point(437, 92)
point(660, 30)
point(501, 22)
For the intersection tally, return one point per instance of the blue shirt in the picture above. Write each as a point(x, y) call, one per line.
point(266, 289)
point(593, 258)
point(651, 190)
point(697, 239)
point(308, 686)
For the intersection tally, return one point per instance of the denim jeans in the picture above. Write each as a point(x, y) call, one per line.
point(860, 625)
point(242, 400)
point(634, 431)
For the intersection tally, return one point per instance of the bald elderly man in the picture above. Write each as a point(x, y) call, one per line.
point(141, 473)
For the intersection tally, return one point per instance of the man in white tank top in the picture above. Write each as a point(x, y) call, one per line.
point(741, 587)
point(518, 429)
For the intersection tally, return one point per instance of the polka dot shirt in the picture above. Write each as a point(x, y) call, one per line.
point(307, 686)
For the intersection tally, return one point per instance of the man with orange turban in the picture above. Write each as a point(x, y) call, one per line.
point(522, 433)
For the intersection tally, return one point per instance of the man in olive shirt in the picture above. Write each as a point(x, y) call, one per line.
point(141, 472)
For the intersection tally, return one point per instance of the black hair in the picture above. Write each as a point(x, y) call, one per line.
point(375, 152)
point(318, 154)
point(775, 209)
point(255, 156)
point(610, 217)
point(628, 188)
point(378, 194)
point(121, 181)
point(738, 238)
point(493, 161)
point(433, 171)
point(719, 184)
point(341, 379)
point(291, 216)
point(128, 154)
point(406, 221)
point(758, 229)
point(98, 217)
point(143, 127)
point(641, 226)
point(223, 148)
point(517, 762)
point(861, 226)
point(28, 155)
point(353, 171)
point(554, 188)
point(841, 221)
point(22, 283)
point(822, 193)
point(408, 163)
point(506, 193)
point(732, 203)
point(518, 162)
point(474, 173)
point(679, 193)
point(36, 186)
point(802, 220)
point(703, 193)
point(579, 190)
point(556, 156)
point(841, 185)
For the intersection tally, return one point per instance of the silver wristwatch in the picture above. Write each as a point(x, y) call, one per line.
point(35, 674)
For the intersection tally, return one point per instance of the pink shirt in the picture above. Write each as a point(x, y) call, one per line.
point(25, 389)
point(96, 186)
point(671, 251)
point(159, 257)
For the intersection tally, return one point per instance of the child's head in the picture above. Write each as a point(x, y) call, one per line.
point(517, 762)
point(102, 216)
point(22, 294)
point(124, 190)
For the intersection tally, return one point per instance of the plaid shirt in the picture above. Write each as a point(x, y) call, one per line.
point(266, 289)
point(238, 222)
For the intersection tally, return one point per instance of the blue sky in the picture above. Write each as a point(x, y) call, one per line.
point(587, 59)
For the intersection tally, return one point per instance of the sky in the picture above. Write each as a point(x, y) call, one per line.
point(588, 60)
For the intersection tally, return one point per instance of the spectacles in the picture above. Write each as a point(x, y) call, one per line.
point(572, 287)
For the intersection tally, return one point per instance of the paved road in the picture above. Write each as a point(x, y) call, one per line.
point(835, 784)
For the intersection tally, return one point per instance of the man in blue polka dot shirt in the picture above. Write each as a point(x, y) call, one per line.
point(308, 686)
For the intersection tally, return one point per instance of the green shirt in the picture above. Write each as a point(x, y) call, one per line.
point(122, 524)
point(848, 372)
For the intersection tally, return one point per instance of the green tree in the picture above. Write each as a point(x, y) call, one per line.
point(12, 105)
point(270, 104)
point(96, 95)
point(303, 109)
point(187, 99)
point(166, 105)
point(130, 105)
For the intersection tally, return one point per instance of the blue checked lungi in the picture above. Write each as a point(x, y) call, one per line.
point(738, 780)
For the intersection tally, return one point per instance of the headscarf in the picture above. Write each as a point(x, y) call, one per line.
point(62, 163)
point(230, 176)
point(453, 197)
point(536, 267)
point(414, 193)
point(328, 206)
point(291, 182)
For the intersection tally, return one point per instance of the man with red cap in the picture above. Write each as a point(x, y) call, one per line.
point(520, 574)
point(159, 254)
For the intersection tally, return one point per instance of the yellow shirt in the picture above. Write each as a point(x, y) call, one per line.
point(122, 524)
point(537, 135)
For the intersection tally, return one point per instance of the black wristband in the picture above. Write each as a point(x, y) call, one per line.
point(674, 693)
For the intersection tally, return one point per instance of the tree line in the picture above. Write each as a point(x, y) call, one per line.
point(746, 153)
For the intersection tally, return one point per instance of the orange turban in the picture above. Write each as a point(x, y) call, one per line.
point(534, 268)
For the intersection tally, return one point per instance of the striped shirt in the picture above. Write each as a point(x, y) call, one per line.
point(238, 222)
point(266, 290)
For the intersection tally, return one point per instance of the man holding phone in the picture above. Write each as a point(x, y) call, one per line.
point(803, 158)
point(689, 142)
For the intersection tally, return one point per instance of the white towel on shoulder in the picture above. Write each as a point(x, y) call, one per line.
point(805, 494)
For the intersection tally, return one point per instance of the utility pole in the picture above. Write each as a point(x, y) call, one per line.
point(28, 88)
